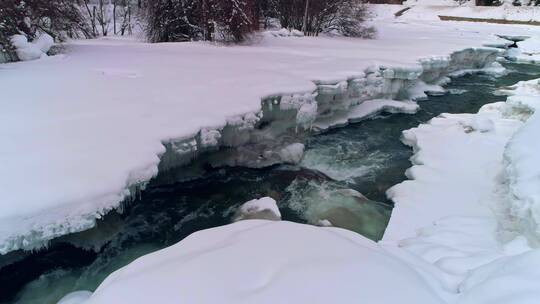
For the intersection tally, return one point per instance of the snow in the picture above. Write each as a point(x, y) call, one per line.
point(365, 110)
point(515, 280)
point(431, 11)
point(521, 157)
point(263, 208)
point(76, 297)
point(32, 50)
point(285, 33)
point(527, 50)
point(433, 179)
point(267, 262)
point(469, 204)
point(292, 154)
point(92, 129)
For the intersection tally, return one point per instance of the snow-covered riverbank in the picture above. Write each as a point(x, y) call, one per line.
point(93, 126)
point(468, 209)
point(445, 242)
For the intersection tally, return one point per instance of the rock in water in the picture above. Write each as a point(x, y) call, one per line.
point(260, 209)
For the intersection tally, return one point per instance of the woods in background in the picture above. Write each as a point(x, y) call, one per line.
point(232, 20)
point(175, 20)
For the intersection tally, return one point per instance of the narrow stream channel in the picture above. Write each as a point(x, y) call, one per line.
point(367, 157)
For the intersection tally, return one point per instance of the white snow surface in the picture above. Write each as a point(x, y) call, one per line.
point(267, 262)
point(527, 51)
point(76, 297)
point(36, 49)
point(424, 10)
point(94, 123)
point(464, 215)
point(258, 205)
point(522, 160)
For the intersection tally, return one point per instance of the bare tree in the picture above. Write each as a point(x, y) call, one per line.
point(114, 16)
point(182, 20)
point(316, 16)
point(103, 18)
point(126, 18)
point(91, 16)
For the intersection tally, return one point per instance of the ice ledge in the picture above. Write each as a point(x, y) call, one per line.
point(288, 117)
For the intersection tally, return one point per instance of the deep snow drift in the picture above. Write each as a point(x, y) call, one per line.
point(93, 127)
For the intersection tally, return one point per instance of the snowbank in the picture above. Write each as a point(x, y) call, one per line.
point(471, 198)
point(528, 50)
point(32, 50)
point(424, 10)
point(267, 262)
point(76, 297)
point(99, 121)
point(452, 175)
point(522, 160)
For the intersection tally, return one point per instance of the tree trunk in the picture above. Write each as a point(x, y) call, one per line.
point(114, 17)
point(304, 25)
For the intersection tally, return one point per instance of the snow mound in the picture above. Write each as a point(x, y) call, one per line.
point(262, 209)
point(32, 50)
point(285, 33)
point(266, 262)
point(76, 297)
point(453, 156)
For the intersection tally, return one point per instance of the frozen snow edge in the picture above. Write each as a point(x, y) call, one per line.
point(279, 115)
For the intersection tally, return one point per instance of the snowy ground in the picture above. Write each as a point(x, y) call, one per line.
point(267, 262)
point(432, 9)
point(93, 124)
point(470, 205)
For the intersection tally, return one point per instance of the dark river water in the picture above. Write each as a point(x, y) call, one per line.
point(367, 157)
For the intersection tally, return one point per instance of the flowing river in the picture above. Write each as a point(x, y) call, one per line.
point(367, 157)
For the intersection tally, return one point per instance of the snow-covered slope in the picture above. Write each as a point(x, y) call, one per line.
point(471, 202)
point(522, 162)
point(82, 131)
point(267, 262)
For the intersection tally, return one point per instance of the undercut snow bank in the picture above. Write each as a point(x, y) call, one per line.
point(267, 262)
